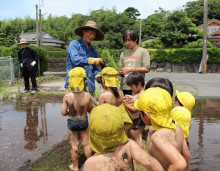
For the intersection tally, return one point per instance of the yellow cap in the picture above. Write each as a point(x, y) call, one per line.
point(182, 118)
point(110, 75)
point(106, 128)
point(186, 98)
point(157, 102)
point(76, 79)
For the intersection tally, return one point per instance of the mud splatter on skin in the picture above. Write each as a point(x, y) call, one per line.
point(81, 109)
point(124, 156)
point(72, 111)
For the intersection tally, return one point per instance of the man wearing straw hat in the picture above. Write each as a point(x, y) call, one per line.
point(82, 54)
point(27, 58)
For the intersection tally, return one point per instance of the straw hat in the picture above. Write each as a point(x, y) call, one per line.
point(23, 41)
point(90, 25)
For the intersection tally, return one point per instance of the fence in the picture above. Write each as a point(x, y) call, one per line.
point(9, 69)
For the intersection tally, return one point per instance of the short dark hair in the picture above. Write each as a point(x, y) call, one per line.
point(134, 78)
point(176, 99)
point(133, 35)
point(162, 83)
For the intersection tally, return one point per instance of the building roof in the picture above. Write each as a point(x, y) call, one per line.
point(148, 38)
point(209, 22)
point(32, 38)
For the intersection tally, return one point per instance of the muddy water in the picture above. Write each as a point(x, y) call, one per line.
point(204, 136)
point(27, 130)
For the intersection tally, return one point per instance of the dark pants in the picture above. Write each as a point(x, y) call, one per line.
point(29, 72)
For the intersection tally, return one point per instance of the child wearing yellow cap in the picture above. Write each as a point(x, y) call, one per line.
point(185, 99)
point(114, 151)
point(136, 82)
point(76, 104)
point(108, 78)
point(167, 143)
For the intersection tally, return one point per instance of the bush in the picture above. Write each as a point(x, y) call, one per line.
point(197, 44)
point(191, 55)
point(57, 54)
point(5, 51)
point(153, 44)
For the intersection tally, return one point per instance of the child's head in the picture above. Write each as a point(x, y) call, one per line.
point(109, 78)
point(106, 128)
point(136, 81)
point(162, 83)
point(156, 103)
point(77, 77)
point(185, 99)
point(182, 118)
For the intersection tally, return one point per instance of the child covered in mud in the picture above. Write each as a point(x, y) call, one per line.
point(114, 151)
point(136, 82)
point(76, 104)
point(108, 78)
point(167, 142)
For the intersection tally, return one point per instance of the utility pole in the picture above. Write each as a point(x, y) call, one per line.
point(204, 51)
point(140, 34)
point(40, 43)
point(37, 36)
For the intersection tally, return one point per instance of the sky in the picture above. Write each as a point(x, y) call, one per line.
point(11, 9)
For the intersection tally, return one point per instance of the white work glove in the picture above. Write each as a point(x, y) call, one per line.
point(21, 65)
point(33, 63)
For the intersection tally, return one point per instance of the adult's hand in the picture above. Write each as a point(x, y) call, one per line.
point(125, 70)
point(96, 61)
point(33, 63)
point(21, 65)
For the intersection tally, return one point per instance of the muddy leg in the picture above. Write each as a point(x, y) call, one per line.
point(74, 142)
point(84, 136)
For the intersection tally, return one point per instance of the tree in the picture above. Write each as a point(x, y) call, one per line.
point(153, 25)
point(177, 28)
point(195, 10)
point(132, 12)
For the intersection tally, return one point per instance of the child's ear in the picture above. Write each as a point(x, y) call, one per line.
point(146, 118)
point(103, 83)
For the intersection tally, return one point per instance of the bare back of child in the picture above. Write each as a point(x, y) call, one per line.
point(110, 98)
point(166, 140)
point(108, 78)
point(171, 144)
point(76, 104)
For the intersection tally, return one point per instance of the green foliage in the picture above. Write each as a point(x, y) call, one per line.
point(195, 9)
point(153, 44)
point(192, 55)
point(109, 59)
point(218, 45)
point(57, 54)
point(49, 48)
point(214, 55)
point(5, 51)
point(197, 44)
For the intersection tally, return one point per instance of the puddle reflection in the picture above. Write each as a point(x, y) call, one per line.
point(204, 135)
point(27, 130)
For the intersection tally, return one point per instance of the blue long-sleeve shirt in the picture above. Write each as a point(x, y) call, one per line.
point(78, 56)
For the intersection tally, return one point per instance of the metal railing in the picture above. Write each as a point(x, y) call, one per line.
point(9, 69)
